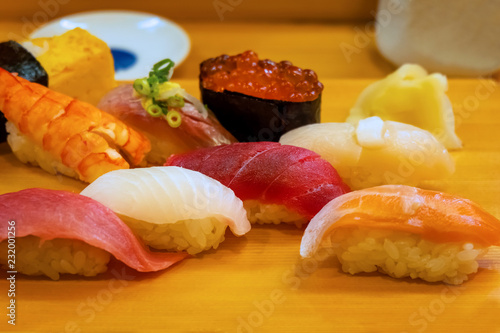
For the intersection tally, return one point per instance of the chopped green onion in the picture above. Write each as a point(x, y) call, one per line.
point(173, 118)
point(142, 86)
point(162, 70)
point(154, 86)
point(175, 101)
point(155, 110)
point(149, 87)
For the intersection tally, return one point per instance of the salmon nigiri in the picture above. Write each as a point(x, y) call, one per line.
point(277, 183)
point(59, 232)
point(404, 231)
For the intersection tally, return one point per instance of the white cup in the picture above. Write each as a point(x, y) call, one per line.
point(454, 37)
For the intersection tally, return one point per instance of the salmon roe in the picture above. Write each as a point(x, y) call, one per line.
point(245, 73)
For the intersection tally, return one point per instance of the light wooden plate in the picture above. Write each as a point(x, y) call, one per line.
point(258, 283)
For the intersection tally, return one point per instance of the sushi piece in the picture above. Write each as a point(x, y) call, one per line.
point(410, 95)
point(59, 232)
point(171, 208)
point(173, 120)
point(404, 231)
point(259, 100)
point(16, 59)
point(376, 152)
point(61, 134)
point(277, 183)
point(3, 130)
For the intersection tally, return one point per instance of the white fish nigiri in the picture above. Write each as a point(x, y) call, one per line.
point(170, 207)
point(375, 152)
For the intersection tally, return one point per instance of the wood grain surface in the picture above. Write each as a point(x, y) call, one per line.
point(258, 283)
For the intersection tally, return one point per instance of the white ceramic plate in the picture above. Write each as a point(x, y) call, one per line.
point(138, 40)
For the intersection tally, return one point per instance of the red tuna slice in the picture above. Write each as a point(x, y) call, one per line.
point(272, 173)
point(50, 214)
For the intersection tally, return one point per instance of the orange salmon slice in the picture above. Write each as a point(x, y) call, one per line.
point(434, 216)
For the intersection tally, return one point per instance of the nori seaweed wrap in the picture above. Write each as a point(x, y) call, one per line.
point(3, 131)
point(259, 100)
point(16, 59)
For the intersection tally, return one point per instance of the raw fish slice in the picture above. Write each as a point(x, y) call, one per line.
point(184, 206)
point(51, 214)
point(376, 152)
point(404, 231)
point(435, 216)
point(270, 173)
point(195, 131)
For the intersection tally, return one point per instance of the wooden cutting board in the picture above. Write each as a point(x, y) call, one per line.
point(258, 283)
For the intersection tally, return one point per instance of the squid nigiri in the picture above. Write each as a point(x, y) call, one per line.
point(171, 208)
point(59, 232)
point(404, 231)
point(277, 183)
point(376, 152)
point(61, 134)
point(173, 120)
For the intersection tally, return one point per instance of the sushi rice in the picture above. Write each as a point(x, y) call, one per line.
point(28, 152)
point(192, 235)
point(260, 213)
point(401, 254)
point(55, 257)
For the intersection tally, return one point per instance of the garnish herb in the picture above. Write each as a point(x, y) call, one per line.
point(149, 89)
point(174, 118)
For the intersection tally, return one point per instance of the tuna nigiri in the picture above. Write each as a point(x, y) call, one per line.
point(173, 120)
point(61, 134)
point(171, 208)
point(404, 231)
point(277, 183)
point(376, 152)
point(57, 232)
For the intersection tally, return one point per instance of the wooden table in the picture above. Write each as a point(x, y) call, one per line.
point(258, 283)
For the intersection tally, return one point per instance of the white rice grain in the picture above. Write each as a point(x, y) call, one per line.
point(55, 257)
point(192, 236)
point(260, 213)
point(401, 254)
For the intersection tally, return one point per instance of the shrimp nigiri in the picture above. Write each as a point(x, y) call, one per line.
point(277, 183)
point(59, 232)
point(61, 134)
point(404, 231)
point(171, 208)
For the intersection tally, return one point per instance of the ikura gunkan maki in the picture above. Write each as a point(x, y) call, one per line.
point(259, 100)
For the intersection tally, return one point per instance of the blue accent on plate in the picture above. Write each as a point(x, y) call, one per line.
point(123, 59)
